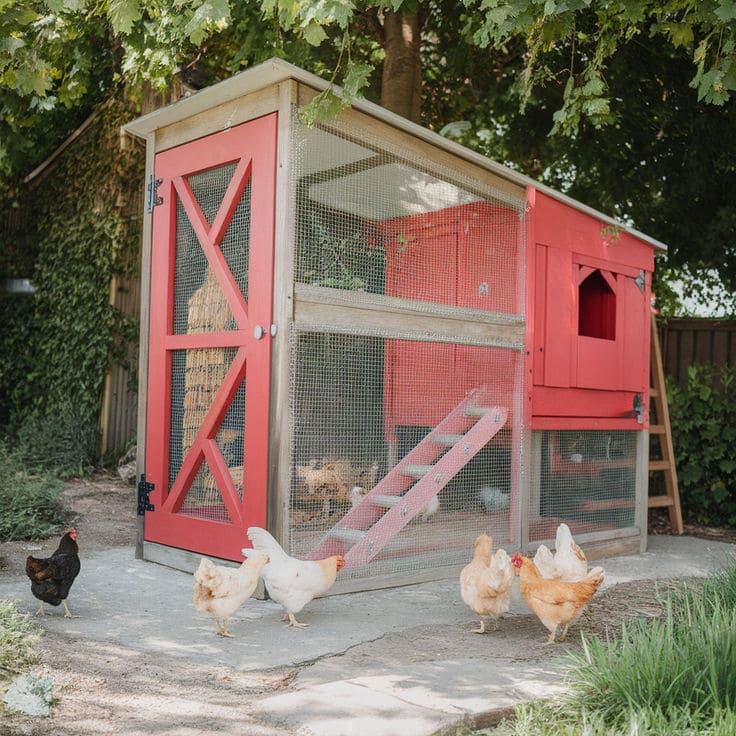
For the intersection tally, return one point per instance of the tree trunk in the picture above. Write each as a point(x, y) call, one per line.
point(401, 85)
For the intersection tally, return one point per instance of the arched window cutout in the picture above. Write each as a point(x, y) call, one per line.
point(596, 308)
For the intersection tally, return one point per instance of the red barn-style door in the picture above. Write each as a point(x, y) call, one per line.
point(210, 347)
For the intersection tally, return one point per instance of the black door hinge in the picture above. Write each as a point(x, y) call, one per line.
point(153, 198)
point(144, 489)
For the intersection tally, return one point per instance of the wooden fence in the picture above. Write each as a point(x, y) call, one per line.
point(688, 341)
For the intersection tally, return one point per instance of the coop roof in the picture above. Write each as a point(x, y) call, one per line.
point(414, 199)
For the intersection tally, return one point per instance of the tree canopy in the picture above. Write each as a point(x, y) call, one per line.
point(626, 105)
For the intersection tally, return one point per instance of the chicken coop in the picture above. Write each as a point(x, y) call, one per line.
point(377, 343)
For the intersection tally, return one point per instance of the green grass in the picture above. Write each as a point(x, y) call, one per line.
point(674, 676)
point(19, 635)
point(558, 719)
point(30, 504)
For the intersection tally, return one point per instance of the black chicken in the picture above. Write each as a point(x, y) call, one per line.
point(52, 577)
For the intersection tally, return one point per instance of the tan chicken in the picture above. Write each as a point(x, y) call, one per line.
point(485, 582)
point(555, 602)
point(290, 582)
point(219, 591)
point(568, 562)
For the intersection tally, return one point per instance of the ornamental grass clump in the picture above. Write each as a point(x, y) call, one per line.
point(684, 660)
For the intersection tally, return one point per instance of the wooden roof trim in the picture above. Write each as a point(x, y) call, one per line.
point(275, 71)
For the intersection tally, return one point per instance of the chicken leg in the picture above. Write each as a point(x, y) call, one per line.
point(294, 622)
point(222, 629)
point(68, 613)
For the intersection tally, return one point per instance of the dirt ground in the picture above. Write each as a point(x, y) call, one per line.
point(107, 689)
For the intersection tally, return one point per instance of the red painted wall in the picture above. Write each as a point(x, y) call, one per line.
point(589, 321)
point(584, 368)
point(464, 256)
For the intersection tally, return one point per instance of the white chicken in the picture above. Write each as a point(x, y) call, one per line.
point(568, 563)
point(220, 591)
point(290, 582)
point(485, 582)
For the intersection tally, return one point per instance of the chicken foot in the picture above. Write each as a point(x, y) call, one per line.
point(294, 622)
point(68, 613)
point(222, 630)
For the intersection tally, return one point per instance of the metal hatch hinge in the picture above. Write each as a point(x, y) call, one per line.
point(144, 489)
point(153, 199)
point(640, 280)
point(638, 408)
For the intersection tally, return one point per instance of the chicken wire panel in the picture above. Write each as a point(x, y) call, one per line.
point(586, 479)
point(361, 403)
point(196, 376)
point(368, 219)
point(199, 303)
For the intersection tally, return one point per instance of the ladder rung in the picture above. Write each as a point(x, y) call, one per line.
point(416, 471)
point(656, 465)
point(447, 439)
point(604, 505)
point(476, 411)
point(385, 502)
point(653, 393)
point(657, 429)
point(658, 501)
point(346, 534)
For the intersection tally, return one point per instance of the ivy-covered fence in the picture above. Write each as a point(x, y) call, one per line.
point(80, 227)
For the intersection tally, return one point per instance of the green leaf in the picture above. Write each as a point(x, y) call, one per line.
point(356, 79)
point(680, 34)
point(314, 34)
point(124, 14)
point(726, 10)
point(209, 16)
point(324, 106)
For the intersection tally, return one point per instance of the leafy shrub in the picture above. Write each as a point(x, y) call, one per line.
point(703, 418)
point(18, 637)
point(63, 442)
point(30, 505)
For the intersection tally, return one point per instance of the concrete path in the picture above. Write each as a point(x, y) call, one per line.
point(397, 662)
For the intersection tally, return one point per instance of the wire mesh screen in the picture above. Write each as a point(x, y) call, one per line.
point(586, 479)
point(359, 411)
point(370, 220)
point(199, 303)
point(196, 377)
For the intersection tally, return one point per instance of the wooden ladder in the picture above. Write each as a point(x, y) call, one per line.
point(662, 431)
point(405, 490)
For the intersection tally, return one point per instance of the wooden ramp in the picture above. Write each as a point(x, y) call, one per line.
point(402, 494)
point(661, 432)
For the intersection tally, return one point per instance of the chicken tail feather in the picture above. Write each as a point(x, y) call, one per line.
point(263, 542)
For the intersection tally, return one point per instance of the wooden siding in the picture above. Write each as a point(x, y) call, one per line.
point(118, 416)
point(689, 341)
